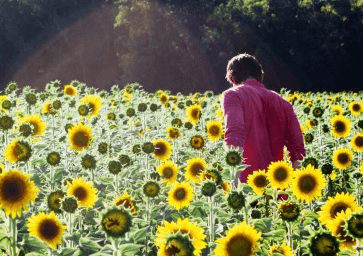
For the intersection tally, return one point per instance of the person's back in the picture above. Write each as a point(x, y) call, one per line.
point(259, 120)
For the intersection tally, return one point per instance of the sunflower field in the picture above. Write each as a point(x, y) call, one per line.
point(128, 172)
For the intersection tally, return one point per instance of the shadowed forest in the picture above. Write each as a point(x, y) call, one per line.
point(181, 46)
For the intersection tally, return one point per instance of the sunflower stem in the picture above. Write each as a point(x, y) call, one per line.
point(53, 127)
point(211, 199)
point(13, 223)
point(147, 221)
point(246, 214)
point(70, 229)
point(51, 178)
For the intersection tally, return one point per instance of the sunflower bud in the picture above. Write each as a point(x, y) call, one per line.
point(209, 188)
point(69, 204)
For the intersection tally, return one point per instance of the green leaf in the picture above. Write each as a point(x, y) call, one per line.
point(89, 218)
point(71, 252)
point(346, 253)
point(260, 225)
point(89, 245)
point(58, 173)
point(39, 162)
point(107, 180)
point(34, 254)
point(130, 249)
point(140, 234)
point(32, 243)
point(106, 249)
point(275, 233)
point(277, 254)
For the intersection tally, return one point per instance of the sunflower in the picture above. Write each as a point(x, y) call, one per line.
point(180, 195)
point(194, 168)
point(257, 181)
point(177, 244)
point(169, 171)
point(357, 142)
point(324, 244)
point(2, 168)
point(196, 233)
point(341, 202)
point(94, 101)
point(47, 228)
point(194, 113)
point(80, 136)
point(336, 226)
point(214, 130)
point(162, 150)
point(54, 201)
point(163, 98)
point(337, 110)
point(283, 249)
point(340, 126)
point(197, 142)
point(16, 192)
point(151, 189)
point(242, 239)
point(70, 90)
point(308, 184)
point(289, 211)
point(342, 158)
point(116, 222)
point(172, 133)
point(48, 109)
point(280, 174)
point(126, 201)
point(17, 151)
point(213, 175)
point(83, 191)
point(225, 186)
point(354, 225)
point(356, 107)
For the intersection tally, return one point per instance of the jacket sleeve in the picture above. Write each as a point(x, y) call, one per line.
point(294, 141)
point(234, 119)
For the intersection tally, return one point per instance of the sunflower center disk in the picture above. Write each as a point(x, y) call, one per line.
point(307, 184)
point(168, 173)
point(339, 126)
point(159, 149)
point(48, 229)
point(338, 208)
point(260, 181)
point(81, 139)
point(196, 169)
point(180, 194)
point(343, 158)
point(280, 174)
point(214, 130)
point(80, 193)
point(359, 141)
point(13, 189)
point(172, 250)
point(239, 246)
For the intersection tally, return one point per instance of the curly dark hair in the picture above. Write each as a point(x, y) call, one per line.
point(243, 66)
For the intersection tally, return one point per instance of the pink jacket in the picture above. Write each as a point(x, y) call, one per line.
point(262, 122)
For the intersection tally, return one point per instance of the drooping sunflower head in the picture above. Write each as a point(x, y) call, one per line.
point(354, 225)
point(114, 167)
point(53, 158)
point(125, 160)
point(310, 160)
point(195, 167)
point(127, 202)
point(233, 157)
point(357, 142)
point(88, 162)
point(169, 171)
point(289, 211)
point(340, 126)
point(258, 181)
point(283, 249)
point(6, 122)
point(308, 184)
point(242, 239)
point(162, 150)
point(236, 200)
point(151, 189)
point(26, 130)
point(180, 195)
point(225, 186)
point(95, 103)
point(18, 151)
point(47, 228)
point(31, 98)
point(84, 192)
point(280, 174)
point(80, 137)
point(54, 201)
point(214, 130)
point(194, 113)
point(213, 175)
point(102, 148)
point(69, 204)
point(324, 244)
point(336, 226)
point(70, 90)
point(116, 222)
point(197, 142)
point(177, 122)
point(342, 158)
point(341, 202)
point(172, 133)
point(209, 188)
point(16, 192)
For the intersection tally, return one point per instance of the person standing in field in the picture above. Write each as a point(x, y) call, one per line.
point(258, 121)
